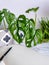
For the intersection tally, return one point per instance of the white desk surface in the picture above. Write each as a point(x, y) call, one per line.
point(2, 63)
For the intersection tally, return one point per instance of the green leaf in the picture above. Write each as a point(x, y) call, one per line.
point(38, 36)
point(22, 22)
point(1, 12)
point(14, 31)
point(30, 32)
point(10, 17)
point(1, 18)
point(17, 28)
point(45, 28)
point(32, 9)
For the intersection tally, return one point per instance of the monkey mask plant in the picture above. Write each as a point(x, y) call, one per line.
point(21, 27)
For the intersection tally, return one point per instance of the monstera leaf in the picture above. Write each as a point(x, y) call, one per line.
point(1, 17)
point(8, 16)
point(17, 29)
point(30, 32)
point(38, 37)
point(22, 22)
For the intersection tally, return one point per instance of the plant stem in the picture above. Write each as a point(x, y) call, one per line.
point(4, 24)
point(35, 17)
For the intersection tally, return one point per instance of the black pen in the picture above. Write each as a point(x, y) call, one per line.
point(2, 57)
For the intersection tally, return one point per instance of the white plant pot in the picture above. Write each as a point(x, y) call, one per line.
point(21, 55)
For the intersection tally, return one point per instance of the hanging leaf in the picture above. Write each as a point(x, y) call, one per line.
point(1, 17)
point(38, 36)
point(10, 17)
point(32, 9)
point(30, 32)
point(22, 22)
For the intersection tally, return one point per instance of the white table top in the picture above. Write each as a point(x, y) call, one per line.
point(39, 51)
point(2, 63)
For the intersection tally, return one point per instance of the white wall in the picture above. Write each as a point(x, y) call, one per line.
point(20, 6)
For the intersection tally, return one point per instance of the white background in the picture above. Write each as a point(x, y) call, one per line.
point(20, 6)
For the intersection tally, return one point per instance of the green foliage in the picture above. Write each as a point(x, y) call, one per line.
point(8, 16)
point(38, 37)
point(23, 28)
point(1, 16)
point(17, 27)
point(45, 28)
point(32, 9)
point(30, 32)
